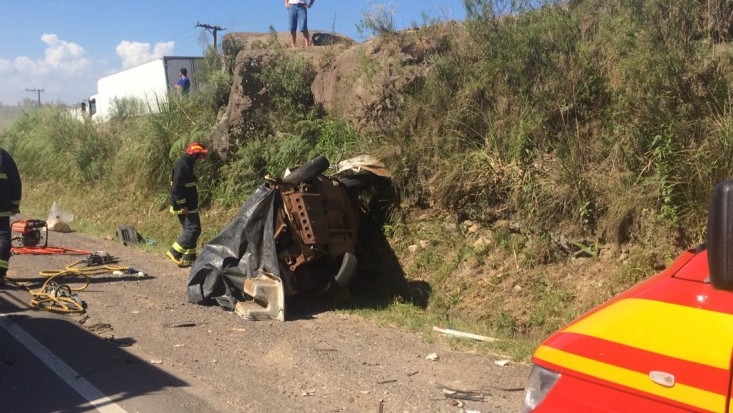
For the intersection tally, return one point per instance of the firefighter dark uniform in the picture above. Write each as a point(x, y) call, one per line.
point(10, 192)
point(184, 202)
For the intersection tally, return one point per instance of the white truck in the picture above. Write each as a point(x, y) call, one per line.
point(148, 82)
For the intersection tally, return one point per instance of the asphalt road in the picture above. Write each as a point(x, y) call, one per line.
point(48, 363)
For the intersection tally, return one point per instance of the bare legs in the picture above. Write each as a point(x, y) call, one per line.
point(306, 37)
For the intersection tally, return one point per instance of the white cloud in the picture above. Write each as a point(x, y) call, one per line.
point(63, 74)
point(135, 53)
point(66, 73)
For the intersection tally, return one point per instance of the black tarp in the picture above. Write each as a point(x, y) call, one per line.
point(245, 248)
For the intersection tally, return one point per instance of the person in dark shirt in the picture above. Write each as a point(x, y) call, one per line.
point(10, 193)
point(184, 202)
point(183, 84)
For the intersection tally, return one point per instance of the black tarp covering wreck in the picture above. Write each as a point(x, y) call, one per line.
point(293, 235)
point(244, 250)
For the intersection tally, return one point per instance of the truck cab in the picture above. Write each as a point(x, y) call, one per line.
point(665, 345)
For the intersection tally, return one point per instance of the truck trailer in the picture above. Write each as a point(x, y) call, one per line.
point(149, 83)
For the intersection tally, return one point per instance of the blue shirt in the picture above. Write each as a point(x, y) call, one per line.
point(184, 83)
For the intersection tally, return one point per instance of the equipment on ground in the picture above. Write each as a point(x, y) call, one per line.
point(29, 233)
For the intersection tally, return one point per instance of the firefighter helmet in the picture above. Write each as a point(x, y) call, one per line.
point(195, 148)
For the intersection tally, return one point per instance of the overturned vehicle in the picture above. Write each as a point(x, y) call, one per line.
point(294, 235)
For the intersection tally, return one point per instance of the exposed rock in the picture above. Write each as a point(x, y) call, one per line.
point(363, 83)
point(366, 83)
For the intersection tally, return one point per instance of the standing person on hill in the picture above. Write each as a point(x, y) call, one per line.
point(184, 202)
point(183, 84)
point(10, 193)
point(298, 16)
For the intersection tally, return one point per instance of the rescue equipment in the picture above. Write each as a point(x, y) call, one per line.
point(29, 233)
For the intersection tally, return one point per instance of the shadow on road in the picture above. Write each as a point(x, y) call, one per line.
point(49, 363)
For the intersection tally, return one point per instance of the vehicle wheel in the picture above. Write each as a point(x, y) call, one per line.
point(347, 271)
point(308, 171)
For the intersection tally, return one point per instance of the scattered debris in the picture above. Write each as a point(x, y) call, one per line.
point(432, 357)
point(181, 324)
point(518, 388)
point(120, 342)
point(127, 235)
point(156, 361)
point(501, 363)
point(455, 333)
point(59, 219)
point(453, 393)
point(100, 328)
point(129, 271)
point(387, 381)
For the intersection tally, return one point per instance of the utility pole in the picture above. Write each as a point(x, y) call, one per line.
point(39, 94)
point(212, 30)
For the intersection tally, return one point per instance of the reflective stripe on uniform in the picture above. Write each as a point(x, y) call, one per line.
point(176, 211)
point(3, 175)
point(4, 264)
point(190, 184)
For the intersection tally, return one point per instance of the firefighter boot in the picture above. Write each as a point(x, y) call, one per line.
point(178, 259)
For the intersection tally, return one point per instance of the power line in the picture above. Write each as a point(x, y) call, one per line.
point(39, 94)
point(212, 30)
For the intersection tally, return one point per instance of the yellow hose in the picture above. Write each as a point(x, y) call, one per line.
point(61, 298)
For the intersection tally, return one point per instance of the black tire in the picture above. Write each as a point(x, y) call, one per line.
point(347, 271)
point(308, 171)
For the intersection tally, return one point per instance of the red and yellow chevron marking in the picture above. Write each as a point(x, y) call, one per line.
point(624, 341)
point(633, 380)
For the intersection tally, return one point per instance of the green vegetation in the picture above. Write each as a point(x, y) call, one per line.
point(537, 136)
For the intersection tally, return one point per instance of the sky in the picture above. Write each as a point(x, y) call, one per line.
point(57, 49)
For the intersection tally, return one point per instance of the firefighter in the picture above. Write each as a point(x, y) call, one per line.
point(184, 202)
point(10, 192)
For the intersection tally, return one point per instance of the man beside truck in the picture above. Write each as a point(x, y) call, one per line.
point(183, 84)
